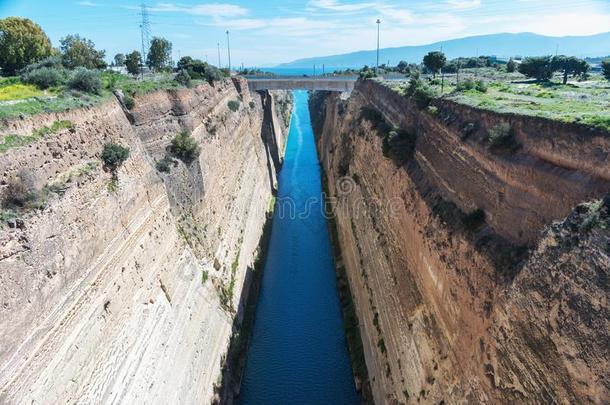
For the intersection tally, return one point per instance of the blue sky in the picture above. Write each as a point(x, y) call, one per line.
point(266, 32)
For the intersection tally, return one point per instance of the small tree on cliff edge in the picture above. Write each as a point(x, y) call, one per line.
point(133, 61)
point(606, 68)
point(435, 61)
point(160, 54)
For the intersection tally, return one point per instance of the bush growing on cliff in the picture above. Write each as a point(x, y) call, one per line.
point(233, 105)
point(399, 145)
point(114, 156)
point(129, 101)
point(422, 94)
point(184, 147)
point(86, 80)
point(183, 78)
point(502, 137)
point(20, 193)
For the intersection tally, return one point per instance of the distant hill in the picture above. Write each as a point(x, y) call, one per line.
point(500, 45)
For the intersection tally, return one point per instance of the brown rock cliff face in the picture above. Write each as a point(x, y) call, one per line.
point(450, 307)
point(126, 292)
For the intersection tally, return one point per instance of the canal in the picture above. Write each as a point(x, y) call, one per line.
point(298, 352)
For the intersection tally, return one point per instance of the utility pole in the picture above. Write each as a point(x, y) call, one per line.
point(229, 50)
point(219, 66)
point(377, 64)
point(314, 70)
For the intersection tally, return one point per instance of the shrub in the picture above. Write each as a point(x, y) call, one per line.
point(399, 145)
point(164, 165)
point(233, 105)
point(184, 147)
point(423, 96)
point(183, 78)
point(129, 102)
point(511, 66)
point(252, 104)
point(469, 84)
point(481, 86)
point(502, 137)
point(474, 220)
point(114, 155)
point(86, 80)
point(20, 193)
point(45, 77)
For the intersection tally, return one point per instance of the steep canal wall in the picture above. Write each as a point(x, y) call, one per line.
point(126, 288)
point(464, 287)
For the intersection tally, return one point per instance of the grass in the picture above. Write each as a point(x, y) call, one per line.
point(38, 105)
point(19, 91)
point(19, 99)
point(15, 141)
point(584, 102)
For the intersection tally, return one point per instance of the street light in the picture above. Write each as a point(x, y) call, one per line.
point(377, 65)
point(219, 65)
point(229, 50)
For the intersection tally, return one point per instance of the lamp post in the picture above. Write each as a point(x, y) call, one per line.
point(377, 64)
point(218, 44)
point(229, 50)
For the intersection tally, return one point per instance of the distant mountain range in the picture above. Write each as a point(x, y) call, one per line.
point(500, 45)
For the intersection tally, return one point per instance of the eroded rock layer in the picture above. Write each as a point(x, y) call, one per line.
point(434, 225)
point(125, 291)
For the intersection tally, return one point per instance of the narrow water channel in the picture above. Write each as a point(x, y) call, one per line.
point(298, 352)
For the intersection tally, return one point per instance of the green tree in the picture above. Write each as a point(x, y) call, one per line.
point(114, 155)
point(538, 68)
point(133, 61)
point(435, 61)
point(569, 65)
point(160, 54)
point(119, 59)
point(606, 68)
point(511, 66)
point(22, 42)
point(77, 51)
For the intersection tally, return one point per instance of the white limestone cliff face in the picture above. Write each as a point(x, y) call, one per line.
point(102, 292)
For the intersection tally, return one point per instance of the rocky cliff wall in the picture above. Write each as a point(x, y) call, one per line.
point(433, 225)
point(123, 291)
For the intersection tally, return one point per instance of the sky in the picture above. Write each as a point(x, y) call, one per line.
point(266, 32)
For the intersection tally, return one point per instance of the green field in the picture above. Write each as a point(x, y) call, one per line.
point(17, 98)
point(586, 102)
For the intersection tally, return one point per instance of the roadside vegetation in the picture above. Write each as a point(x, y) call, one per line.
point(37, 78)
point(562, 88)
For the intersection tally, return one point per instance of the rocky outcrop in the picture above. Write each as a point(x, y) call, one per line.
point(125, 288)
point(434, 223)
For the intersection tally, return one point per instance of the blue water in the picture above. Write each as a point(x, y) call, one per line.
point(298, 352)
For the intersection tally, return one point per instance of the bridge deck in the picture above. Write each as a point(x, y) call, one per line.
point(303, 83)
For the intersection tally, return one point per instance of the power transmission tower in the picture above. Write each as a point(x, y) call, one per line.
point(144, 30)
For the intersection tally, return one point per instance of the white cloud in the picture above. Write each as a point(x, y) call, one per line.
point(463, 4)
point(333, 5)
point(90, 4)
point(208, 10)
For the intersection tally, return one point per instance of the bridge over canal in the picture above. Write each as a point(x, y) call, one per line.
point(303, 83)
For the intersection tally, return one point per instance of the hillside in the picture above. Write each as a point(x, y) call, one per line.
point(501, 45)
